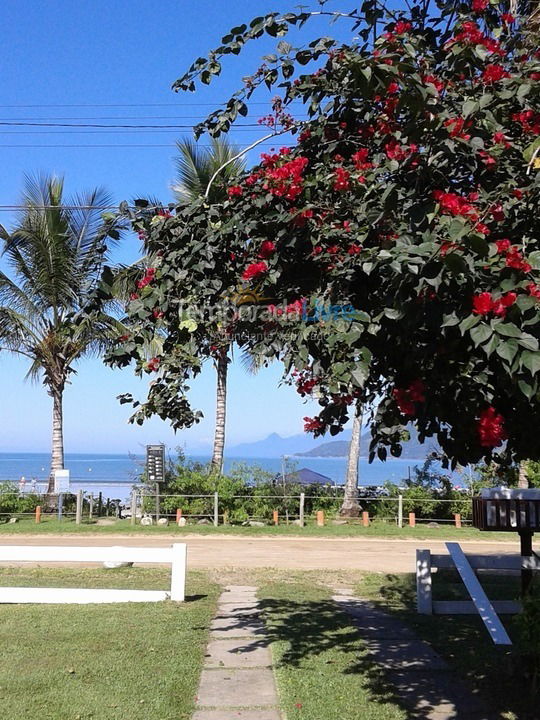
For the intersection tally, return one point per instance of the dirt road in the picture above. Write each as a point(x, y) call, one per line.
point(290, 553)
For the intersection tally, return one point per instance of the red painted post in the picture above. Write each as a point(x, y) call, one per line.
point(275, 517)
point(38, 513)
point(178, 515)
point(457, 518)
point(320, 518)
point(412, 520)
point(365, 518)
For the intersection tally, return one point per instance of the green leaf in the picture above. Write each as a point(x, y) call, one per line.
point(526, 389)
point(531, 361)
point(507, 350)
point(481, 333)
point(469, 107)
point(508, 330)
point(468, 323)
point(528, 342)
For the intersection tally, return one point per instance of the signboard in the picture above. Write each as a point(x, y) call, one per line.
point(155, 463)
point(61, 481)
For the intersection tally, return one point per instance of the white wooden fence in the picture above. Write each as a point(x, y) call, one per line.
point(479, 602)
point(174, 555)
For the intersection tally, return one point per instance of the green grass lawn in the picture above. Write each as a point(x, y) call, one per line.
point(495, 672)
point(375, 529)
point(103, 662)
point(321, 670)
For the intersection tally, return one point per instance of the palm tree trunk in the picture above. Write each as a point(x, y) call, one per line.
point(351, 507)
point(523, 478)
point(57, 457)
point(221, 408)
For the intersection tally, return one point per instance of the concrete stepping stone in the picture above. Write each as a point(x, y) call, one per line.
point(239, 653)
point(224, 714)
point(237, 681)
point(235, 687)
point(419, 676)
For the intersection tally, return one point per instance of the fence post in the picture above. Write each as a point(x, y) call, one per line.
point(91, 506)
point(216, 509)
point(412, 520)
point(302, 504)
point(38, 513)
point(320, 518)
point(400, 511)
point(133, 507)
point(78, 508)
point(457, 518)
point(100, 504)
point(178, 515)
point(365, 518)
point(275, 517)
point(157, 502)
point(60, 504)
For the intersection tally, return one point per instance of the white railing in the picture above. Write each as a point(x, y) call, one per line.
point(174, 555)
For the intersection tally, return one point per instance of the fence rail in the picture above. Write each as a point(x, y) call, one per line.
point(145, 503)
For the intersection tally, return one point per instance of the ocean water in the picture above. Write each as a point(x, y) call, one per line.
point(114, 475)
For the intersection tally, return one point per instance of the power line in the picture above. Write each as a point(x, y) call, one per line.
point(116, 145)
point(98, 125)
point(126, 105)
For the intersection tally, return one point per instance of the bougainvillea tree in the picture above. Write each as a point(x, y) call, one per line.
point(389, 255)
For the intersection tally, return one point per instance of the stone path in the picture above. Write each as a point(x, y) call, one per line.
point(237, 681)
point(421, 679)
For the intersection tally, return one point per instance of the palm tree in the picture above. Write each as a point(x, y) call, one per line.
point(351, 507)
point(49, 313)
point(195, 168)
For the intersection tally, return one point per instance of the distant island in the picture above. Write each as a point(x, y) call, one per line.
point(412, 449)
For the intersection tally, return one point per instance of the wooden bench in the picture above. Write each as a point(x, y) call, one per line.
point(174, 555)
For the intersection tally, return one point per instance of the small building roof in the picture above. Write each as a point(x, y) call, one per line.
point(305, 476)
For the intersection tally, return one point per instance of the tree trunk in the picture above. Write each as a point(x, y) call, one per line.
point(57, 457)
point(523, 478)
point(351, 507)
point(221, 407)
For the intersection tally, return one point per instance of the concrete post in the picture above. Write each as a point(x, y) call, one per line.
point(275, 517)
point(400, 511)
point(412, 520)
point(157, 502)
point(133, 507)
point(457, 518)
point(216, 509)
point(91, 506)
point(38, 514)
point(79, 506)
point(302, 504)
point(320, 518)
point(365, 519)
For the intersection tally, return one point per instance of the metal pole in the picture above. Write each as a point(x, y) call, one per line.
point(78, 510)
point(133, 507)
point(60, 503)
point(157, 502)
point(400, 511)
point(216, 509)
point(525, 537)
point(302, 502)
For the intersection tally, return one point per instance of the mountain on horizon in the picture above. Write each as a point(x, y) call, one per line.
point(276, 446)
point(412, 450)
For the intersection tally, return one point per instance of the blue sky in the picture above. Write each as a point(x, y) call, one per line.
point(74, 62)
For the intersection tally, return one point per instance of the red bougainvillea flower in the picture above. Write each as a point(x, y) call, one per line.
point(494, 74)
point(534, 290)
point(255, 270)
point(499, 138)
point(481, 228)
point(501, 305)
point(134, 296)
point(407, 397)
point(488, 160)
point(497, 213)
point(312, 424)
point(479, 6)
point(529, 121)
point(453, 204)
point(482, 303)
point(153, 364)
point(516, 261)
point(396, 151)
point(147, 278)
point(235, 191)
point(360, 159)
point(491, 431)
point(267, 249)
point(435, 81)
point(508, 18)
point(456, 127)
point(402, 26)
point(503, 245)
point(341, 179)
point(471, 34)
point(157, 314)
point(354, 249)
